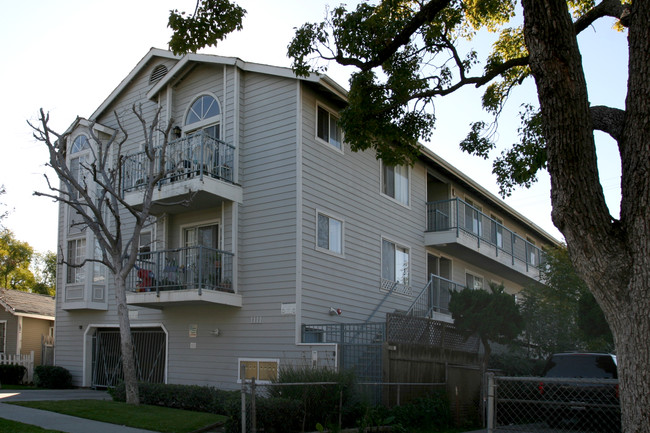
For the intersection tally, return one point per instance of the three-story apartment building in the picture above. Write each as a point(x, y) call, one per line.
point(287, 228)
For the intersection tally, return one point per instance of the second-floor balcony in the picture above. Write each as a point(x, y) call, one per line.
point(197, 166)
point(183, 275)
point(468, 233)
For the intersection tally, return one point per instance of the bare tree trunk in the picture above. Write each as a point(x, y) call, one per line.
point(126, 342)
point(611, 256)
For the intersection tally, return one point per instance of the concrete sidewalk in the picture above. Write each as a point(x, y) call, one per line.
point(57, 421)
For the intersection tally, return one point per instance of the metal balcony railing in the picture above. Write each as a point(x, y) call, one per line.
point(455, 214)
point(197, 267)
point(434, 297)
point(196, 155)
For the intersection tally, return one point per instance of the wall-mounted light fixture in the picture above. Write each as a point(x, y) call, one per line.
point(335, 311)
point(177, 131)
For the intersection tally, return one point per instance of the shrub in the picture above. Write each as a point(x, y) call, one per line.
point(187, 397)
point(11, 374)
point(52, 377)
point(430, 413)
point(319, 403)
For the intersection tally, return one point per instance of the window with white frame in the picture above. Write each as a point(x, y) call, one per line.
point(394, 262)
point(395, 182)
point(204, 114)
point(77, 160)
point(497, 231)
point(144, 245)
point(328, 128)
point(263, 370)
point(473, 217)
point(474, 282)
point(330, 233)
point(3, 336)
point(76, 256)
point(99, 269)
point(532, 251)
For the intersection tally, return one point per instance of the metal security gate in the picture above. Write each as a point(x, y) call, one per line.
point(149, 350)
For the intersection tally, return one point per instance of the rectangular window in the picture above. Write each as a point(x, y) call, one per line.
point(473, 217)
point(532, 252)
point(395, 182)
point(263, 370)
point(3, 335)
point(76, 255)
point(328, 128)
point(144, 245)
point(497, 231)
point(473, 281)
point(99, 270)
point(330, 234)
point(395, 262)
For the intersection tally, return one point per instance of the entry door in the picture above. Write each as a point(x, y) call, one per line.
point(201, 257)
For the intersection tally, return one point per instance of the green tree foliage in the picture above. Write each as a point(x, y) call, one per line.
point(15, 258)
point(210, 23)
point(407, 53)
point(44, 269)
point(562, 315)
point(492, 315)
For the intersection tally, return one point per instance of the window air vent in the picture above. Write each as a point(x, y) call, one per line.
point(158, 72)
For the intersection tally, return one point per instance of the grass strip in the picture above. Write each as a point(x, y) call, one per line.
point(160, 419)
point(8, 426)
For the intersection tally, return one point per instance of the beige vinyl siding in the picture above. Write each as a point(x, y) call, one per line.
point(33, 330)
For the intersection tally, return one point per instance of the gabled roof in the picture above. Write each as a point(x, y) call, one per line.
point(27, 304)
point(186, 62)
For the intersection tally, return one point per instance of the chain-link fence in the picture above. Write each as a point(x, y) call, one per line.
point(300, 407)
point(539, 404)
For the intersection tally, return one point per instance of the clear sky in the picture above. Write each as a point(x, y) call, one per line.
point(66, 56)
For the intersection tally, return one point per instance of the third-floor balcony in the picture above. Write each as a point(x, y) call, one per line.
point(197, 166)
point(466, 232)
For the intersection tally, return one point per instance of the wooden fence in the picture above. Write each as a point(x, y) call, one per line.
point(26, 361)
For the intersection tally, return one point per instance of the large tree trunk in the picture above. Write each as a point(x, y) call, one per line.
point(611, 256)
point(128, 360)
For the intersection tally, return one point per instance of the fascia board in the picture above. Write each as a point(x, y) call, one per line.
point(154, 52)
point(455, 173)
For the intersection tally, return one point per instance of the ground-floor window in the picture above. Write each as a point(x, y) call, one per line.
point(3, 334)
point(263, 370)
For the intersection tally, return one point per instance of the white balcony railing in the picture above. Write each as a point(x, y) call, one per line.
point(199, 267)
point(195, 155)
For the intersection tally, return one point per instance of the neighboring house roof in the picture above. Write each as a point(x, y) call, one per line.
point(27, 304)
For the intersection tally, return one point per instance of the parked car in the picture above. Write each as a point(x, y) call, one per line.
point(590, 396)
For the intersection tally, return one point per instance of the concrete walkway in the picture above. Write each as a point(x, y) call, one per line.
point(57, 421)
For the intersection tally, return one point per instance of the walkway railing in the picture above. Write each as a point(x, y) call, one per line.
point(434, 298)
point(195, 155)
point(455, 214)
point(182, 268)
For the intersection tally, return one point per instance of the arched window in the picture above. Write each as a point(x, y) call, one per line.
point(203, 108)
point(204, 114)
point(80, 143)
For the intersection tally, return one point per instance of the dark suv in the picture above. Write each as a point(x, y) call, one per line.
point(590, 394)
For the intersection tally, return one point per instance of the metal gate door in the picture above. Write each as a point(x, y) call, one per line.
point(148, 350)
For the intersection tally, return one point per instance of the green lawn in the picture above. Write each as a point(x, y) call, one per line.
point(7, 426)
point(154, 418)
